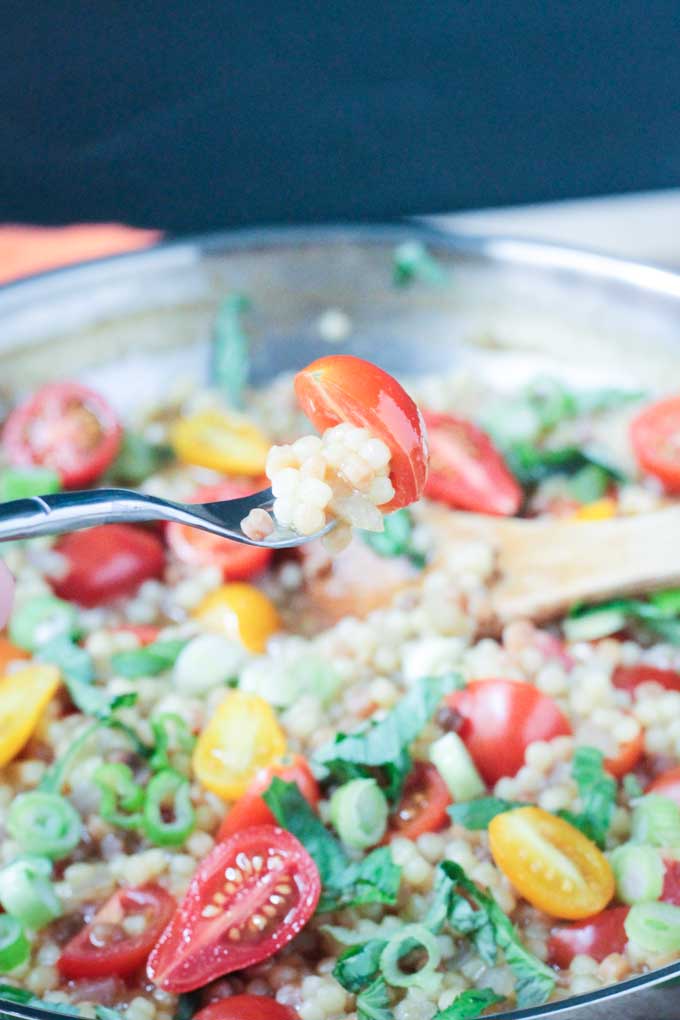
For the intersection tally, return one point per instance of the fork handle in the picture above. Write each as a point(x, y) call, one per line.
point(72, 511)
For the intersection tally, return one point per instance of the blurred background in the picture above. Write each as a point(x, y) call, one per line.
point(193, 116)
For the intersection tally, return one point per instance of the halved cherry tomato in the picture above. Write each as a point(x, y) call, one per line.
point(103, 947)
point(242, 737)
point(667, 785)
point(596, 937)
point(341, 388)
point(247, 1007)
point(67, 427)
point(627, 756)
point(10, 653)
point(237, 561)
point(24, 696)
point(466, 469)
point(423, 804)
point(655, 435)
point(498, 721)
point(107, 562)
point(251, 808)
point(145, 633)
point(240, 612)
point(619, 757)
point(551, 864)
point(670, 892)
point(223, 442)
point(627, 678)
point(249, 897)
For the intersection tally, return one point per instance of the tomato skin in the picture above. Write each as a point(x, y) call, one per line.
point(655, 436)
point(466, 470)
point(238, 877)
point(423, 804)
point(237, 561)
point(626, 757)
point(671, 883)
point(67, 427)
point(247, 1007)
point(596, 936)
point(628, 678)
point(107, 562)
point(499, 719)
point(251, 808)
point(667, 785)
point(81, 959)
point(341, 388)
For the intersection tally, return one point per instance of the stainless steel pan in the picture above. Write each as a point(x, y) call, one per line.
point(136, 324)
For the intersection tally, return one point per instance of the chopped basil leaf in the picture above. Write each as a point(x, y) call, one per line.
point(138, 458)
point(632, 786)
point(385, 744)
point(374, 879)
point(469, 1004)
point(149, 661)
point(359, 965)
point(22, 483)
point(532, 464)
point(412, 261)
point(667, 601)
point(597, 790)
point(476, 814)
point(230, 353)
point(20, 995)
point(396, 538)
point(374, 1002)
point(73, 661)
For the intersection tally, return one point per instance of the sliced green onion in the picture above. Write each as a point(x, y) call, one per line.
point(73, 661)
point(14, 946)
point(168, 789)
point(589, 483)
point(230, 354)
point(149, 661)
point(122, 797)
point(594, 624)
point(412, 936)
point(44, 824)
point(639, 873)
point(170, 732)
point(359, 812)
point(207, 661)
point(511, 420)
point(656, 820)
point(22, 483)
point(654, 927)
point(452, 760)
point(27, 893)
point(667, 601)
point(40, 620)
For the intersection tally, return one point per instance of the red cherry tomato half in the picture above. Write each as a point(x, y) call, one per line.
point(671, 882)
point(596, 936)
point(341, 388)
point(247, 1007)
point(225, 921)
point(66, 427)
point(251, 808)
point(655, 435)
point(627, 678)
point(107, 562)
point(237, 561)
point(667, 785)
point(499, 719)
point(423, 805)
point(466, 469)
point(626, 757)
point(103, 948)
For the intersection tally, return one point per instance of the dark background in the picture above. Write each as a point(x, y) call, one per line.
point(205, 114)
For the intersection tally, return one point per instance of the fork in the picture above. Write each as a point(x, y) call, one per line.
point(72, 511)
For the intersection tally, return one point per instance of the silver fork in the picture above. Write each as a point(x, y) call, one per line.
point(72, 511)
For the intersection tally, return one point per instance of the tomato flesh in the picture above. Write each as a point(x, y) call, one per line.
point(107, 562)
point(466, 470)
point(627, 756)
point(249, 897)
point(498, 719)
point(423, 805)
point(103, 948)
point(628, 678)
point(670, 892)
point(247, 1007)
point(67, 427)
point(596, 936)
point(341, 388)
point(236, 560)
point(667, 785)
point(251, 808)
point(655, 435)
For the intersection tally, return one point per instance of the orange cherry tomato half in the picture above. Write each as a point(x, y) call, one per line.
point(107, 562)
point(10, 653)
point(423, 804)
point(104, 948)
point(655, 435)
point(466, 470)
point(596, 937)
point(67, 427)
point(237, 561)
point(498, 721)
point(222, 925)
point(667, 785)
point(247, 1007)
point(551, 863)
point(628, 678)
point(251, 808)
point(626, 757)
point(341, 388)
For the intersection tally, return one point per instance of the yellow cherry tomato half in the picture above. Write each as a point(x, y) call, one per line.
point(242, 737)
point(24, 695)
point(223, 442)
point(242, 613)
point(553, 865)
point(599, 510)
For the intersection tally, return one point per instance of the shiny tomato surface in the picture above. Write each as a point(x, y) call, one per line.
point(251, 808)
point(423, 804)
point(596, 936)
point(247, 1007)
